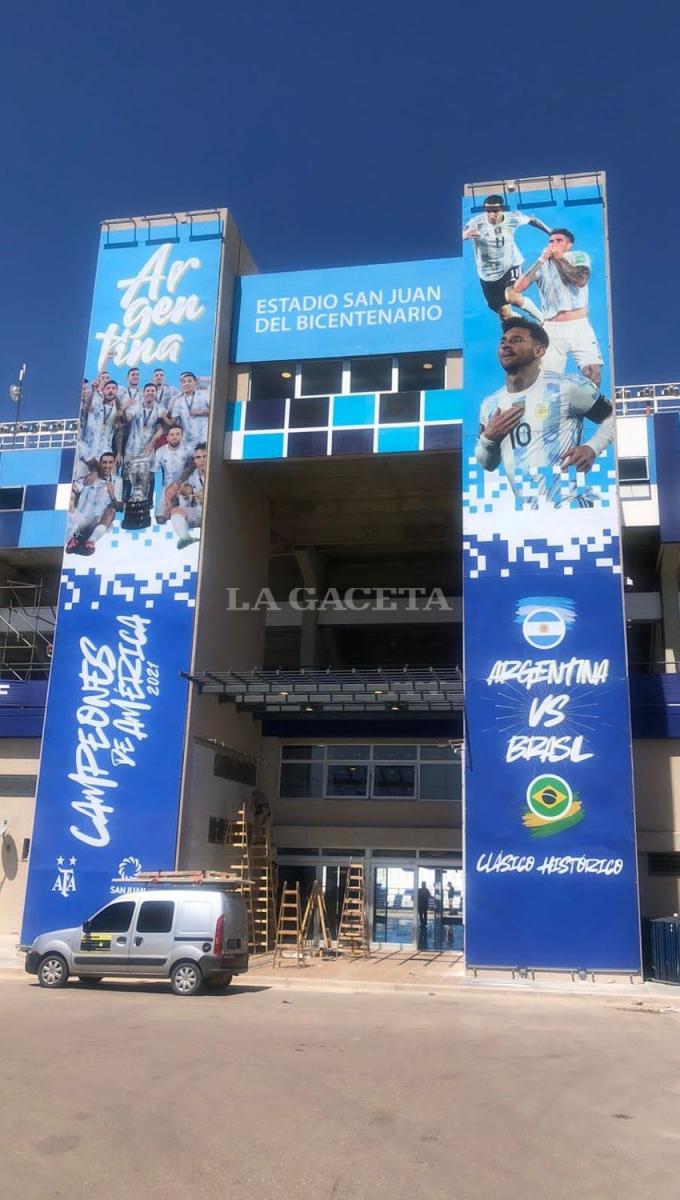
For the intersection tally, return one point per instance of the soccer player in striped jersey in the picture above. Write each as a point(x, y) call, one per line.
point(561, 275)
point(534, 424)
point(93, 507)
point(171, 461)
point(497, 256)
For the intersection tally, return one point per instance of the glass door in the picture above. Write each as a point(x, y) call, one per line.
point(393, 905)
point(440, 908)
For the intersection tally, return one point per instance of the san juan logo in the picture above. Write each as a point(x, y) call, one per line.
point(552, 806)
point(545, 620)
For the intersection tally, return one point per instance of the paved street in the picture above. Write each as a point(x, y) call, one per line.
point(129, 1091)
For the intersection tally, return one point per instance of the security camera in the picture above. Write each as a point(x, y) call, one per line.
point(511, 186)
point(15, 393)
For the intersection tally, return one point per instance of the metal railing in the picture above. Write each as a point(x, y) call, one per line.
point(39, 435)
point(647, 398)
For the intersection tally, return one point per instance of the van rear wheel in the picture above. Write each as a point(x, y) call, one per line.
point(186, 978)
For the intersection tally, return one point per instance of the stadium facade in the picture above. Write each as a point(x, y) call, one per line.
point(318, 568)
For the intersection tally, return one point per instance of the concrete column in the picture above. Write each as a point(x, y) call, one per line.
point(670, 609)
point(312, 577)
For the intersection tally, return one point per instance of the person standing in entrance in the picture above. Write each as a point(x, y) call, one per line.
point(424, 897)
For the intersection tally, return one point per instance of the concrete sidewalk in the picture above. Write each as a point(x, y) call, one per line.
point(415, 971)
point(440, 973)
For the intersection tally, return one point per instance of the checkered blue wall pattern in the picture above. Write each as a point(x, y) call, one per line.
point(324, 426)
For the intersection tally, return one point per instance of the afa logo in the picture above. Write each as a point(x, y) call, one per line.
point(545, 620)
point(552, 806)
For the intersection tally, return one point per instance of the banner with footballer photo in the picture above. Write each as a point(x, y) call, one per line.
point(549, 823)
point(110, 773)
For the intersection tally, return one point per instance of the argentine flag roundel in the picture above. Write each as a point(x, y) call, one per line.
point(544, 628)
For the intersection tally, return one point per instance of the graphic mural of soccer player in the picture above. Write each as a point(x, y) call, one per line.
point(102, 413)
point(191, 410)
point(171, 461)
point(132, 390)
point(94, 504)
point(143, 417)
point(533, 425)
point(83, 455)
point(164, 393)
point(497, 256)
point(561, 275)
point(189, 512)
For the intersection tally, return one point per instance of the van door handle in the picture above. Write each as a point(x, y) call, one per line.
point(121, 941)
point(138, 941)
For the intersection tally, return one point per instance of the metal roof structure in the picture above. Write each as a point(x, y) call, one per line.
point(374, 690)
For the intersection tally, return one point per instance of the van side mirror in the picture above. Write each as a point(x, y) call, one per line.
point(86, 926)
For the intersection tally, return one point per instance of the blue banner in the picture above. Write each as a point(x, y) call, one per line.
point(549, 824)
point(110, 772)
point(389, 308)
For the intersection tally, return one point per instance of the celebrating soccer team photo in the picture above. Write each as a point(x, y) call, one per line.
point(137, 440)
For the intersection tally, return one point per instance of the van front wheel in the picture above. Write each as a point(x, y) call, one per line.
point(186, 978)
point(53, 971)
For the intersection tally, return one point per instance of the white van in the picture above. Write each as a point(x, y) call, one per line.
point(190, 935)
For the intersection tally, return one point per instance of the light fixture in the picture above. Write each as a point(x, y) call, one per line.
point(309, 708)
point(286, 375)
point(427, 366)
point(394, 707)
point(284, 694)
point(377, 692)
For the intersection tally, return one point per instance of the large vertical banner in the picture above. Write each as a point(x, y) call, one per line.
point(110, 772)
point(550, 840)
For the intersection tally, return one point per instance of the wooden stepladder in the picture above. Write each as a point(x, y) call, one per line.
point(289, 941)
point(237, 838)
point(262, 890)
point(353, 928)
point(316, 907)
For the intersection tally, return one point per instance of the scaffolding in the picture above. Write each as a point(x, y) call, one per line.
point(27, 626)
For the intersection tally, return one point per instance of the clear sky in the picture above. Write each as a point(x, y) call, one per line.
point(336, 133)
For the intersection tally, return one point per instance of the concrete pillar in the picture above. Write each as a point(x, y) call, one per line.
point(670, 609)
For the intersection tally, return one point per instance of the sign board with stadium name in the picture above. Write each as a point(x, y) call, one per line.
point(550, 839)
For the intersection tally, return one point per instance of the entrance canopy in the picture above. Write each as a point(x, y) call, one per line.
point(334, 691)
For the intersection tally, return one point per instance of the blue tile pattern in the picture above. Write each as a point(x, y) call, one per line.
point(367, 423)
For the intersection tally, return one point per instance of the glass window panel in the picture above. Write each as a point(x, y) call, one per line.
point(349, 753)
point(440, 781)
point(422, 372)
point(347, 780)
point(156, 916)
point(402, 753)
point(272, 381)
point(306, 753)
point(301, 779)
point(115, 918)
point(323, 378)
point(370, 375)
point(308, 413)
point(392, 780)
point(439, 754)
point(633, 470)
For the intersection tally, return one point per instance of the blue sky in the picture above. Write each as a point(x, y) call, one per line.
point(335, 132)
